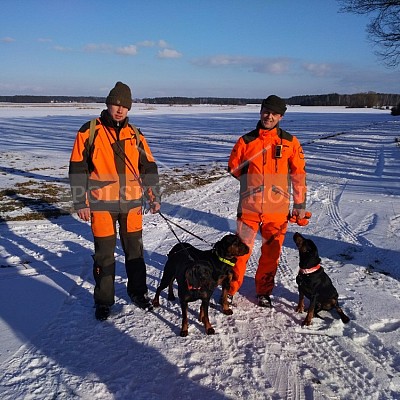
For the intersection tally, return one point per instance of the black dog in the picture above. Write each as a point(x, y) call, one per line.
point(198, 273)
point(314, 283)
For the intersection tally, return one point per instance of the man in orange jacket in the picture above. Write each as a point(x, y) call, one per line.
point(110, 175)
point(269, 164)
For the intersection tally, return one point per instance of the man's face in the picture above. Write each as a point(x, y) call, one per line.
point(269, 119)
point(118, 113)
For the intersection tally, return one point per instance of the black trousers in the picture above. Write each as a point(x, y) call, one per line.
point(104, 261)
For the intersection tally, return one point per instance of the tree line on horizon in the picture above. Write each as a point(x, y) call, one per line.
point(358, 100)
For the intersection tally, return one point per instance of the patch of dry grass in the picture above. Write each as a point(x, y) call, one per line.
point(38, 200)
point(34, 200)
point(183, 178)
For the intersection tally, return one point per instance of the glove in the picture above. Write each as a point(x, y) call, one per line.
point(300, 221)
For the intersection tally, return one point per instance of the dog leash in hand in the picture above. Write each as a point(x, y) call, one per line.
point(170, 223)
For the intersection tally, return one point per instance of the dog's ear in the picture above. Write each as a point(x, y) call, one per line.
point(223, 244)
point(229, 244)
point(218, 247)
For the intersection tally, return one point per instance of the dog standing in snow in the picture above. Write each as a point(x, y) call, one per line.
point(198, 273)
point(314, 283)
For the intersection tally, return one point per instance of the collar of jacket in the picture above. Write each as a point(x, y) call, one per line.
point(262, 132)
point(106, 120)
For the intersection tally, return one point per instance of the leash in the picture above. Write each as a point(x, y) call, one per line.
point(170, 223)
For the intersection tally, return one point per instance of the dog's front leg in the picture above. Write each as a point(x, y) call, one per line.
point(224, 297)
point(310, 313)
point(171, 295)
point(204, 314)
point(185, 323)
point(300, 305)
point(345, 319)
point(201, 313)
point(156, 300)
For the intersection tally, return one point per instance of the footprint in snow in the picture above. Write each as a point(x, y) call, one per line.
point(386, 325)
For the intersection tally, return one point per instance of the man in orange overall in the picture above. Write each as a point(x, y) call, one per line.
point(269, 164)
point(111, 173)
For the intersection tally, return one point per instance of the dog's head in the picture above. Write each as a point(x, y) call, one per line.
point(230, 247)
point(308, 251)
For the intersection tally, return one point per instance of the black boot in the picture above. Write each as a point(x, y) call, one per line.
point(141, 301)
point(102, 312)
point(264, 301)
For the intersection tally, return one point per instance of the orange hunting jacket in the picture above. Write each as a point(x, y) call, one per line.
point(115, 172)
point(267, 182)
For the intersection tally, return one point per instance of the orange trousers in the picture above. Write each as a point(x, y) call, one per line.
point(273, 235)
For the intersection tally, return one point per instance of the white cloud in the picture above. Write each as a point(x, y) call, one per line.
point(146, 43)
point(169, 53)
point(274, 66)
point(319, 70)
point(130, 50)
point(7, 40)
point(162, 43)
point(94, 48)
point(62, 49)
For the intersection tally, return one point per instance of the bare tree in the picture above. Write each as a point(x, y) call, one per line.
point(384, 28)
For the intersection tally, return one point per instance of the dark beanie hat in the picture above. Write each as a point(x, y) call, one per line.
point(120, 95)
point(275, 104)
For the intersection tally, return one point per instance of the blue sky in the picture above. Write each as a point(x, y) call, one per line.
point(236, 48)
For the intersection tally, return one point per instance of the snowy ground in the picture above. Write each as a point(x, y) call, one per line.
point(51, 346)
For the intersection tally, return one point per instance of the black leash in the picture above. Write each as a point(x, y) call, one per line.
point(138, 178)
point(170, 223)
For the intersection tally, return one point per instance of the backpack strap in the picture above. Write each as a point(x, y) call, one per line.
point(92, 131)
point(137, 133)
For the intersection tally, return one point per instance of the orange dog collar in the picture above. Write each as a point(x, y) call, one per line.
point(310, 270)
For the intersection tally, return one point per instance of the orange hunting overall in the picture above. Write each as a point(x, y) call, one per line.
point(266, 182)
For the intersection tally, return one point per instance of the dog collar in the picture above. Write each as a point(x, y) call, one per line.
point(310, 270)
point(224, 260)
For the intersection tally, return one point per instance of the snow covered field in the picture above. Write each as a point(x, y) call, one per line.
point(51, 346)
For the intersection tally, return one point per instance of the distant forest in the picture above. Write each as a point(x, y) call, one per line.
point(359, 100)
point(51, 99)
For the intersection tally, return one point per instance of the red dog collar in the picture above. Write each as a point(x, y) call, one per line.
point(310, 270)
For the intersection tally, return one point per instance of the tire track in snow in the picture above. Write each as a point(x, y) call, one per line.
point(318, 361)
point(370, 365)
point(343, 230)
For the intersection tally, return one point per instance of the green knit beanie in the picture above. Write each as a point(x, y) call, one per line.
point(120, 95)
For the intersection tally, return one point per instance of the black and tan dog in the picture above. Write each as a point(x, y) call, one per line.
point(198, 273)
point(314, 283)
